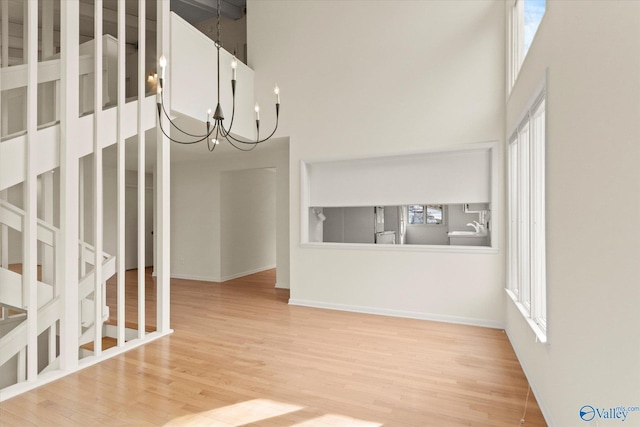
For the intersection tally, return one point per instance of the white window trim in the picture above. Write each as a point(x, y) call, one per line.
point(515, 34)
point(526, 268)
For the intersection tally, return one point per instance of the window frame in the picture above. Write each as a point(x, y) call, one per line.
point(526, 231)
point(516, 40)
point(425, 216)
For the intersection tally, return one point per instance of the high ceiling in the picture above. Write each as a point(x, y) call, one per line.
point(194, 11)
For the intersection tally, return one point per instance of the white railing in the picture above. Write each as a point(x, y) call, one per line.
point(15, 78)
point(49, 306)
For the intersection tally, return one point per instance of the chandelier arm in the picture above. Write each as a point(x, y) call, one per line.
point(253, 146)
point(233, 115)
point(203, 136)
point(259, 141)
point(228, 135)
point(210, 145)
point(177, 141)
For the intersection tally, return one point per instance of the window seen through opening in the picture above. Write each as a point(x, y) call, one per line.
point(425, 214)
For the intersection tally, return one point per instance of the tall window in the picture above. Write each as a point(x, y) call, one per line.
point(524, 19)
point(526, 208)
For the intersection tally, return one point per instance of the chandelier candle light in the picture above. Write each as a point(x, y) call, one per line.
point(213, 133)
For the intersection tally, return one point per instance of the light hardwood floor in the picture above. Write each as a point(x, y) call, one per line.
point(241, 356)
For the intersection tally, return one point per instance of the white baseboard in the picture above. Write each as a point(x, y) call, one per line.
point(194, 277)
point(280, 285)
point(246, 273)
point(221, 279)
point(400, 313)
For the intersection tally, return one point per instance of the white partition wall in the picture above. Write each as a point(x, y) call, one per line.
point(412, 77)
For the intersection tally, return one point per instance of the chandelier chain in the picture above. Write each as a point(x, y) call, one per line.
point(218, 26)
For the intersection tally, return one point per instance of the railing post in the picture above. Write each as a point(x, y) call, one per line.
point(30, 188)
point(142, 82)
point(69, 42)
point(97, 180)
point(162, 231)
point(120, 181)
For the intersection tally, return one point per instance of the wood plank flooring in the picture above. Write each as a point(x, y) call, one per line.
point(241, 356)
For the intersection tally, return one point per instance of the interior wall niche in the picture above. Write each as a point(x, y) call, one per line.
point(415, 224)
point(441, 198)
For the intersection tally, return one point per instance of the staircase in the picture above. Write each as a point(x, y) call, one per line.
point(14, 310)
point(13, 339)
point(57, 333)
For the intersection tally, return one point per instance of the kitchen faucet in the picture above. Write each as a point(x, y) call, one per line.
point(475, 226)
point(479, 228)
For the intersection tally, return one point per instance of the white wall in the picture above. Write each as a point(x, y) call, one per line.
point(411, 77)
point(353, 224)
point(195, 221)
point(233, 34)
point(197, 241)
point(432, 234)
point(193, 75)
point(247, 222)
point(590, 50)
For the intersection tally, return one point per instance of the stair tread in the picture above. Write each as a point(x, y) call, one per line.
point(130, 325)
point(107, 343)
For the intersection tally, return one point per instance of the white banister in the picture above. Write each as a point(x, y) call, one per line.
point(120, 180)
point(69, 28)
point(70, 135)
point(30, 188)
point(97, 182)
point(142, 82)
point(163, 170)
point(12, 217)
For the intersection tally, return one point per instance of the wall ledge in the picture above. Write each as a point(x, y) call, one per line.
point(405, 248)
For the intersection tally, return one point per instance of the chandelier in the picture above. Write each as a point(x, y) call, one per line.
point(216, 131)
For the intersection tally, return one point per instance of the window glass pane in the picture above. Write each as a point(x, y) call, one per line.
point(538, 279)
point(513, 216)
point(416, 214)
point(533, 12)
point(524, 215)
point(434, 214)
